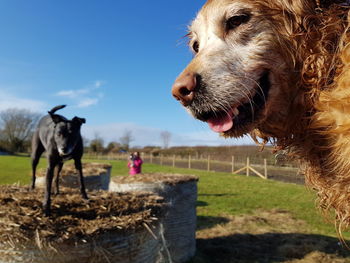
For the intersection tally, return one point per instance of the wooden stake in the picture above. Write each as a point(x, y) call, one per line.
point(248, 166)
point(189, 161)
point(233, 164)
point(174, 160)
point(240, 170)
point(255, 171)
point(208, 163)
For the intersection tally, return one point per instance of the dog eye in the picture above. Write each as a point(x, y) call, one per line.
point(236, 21)
point(195, 46)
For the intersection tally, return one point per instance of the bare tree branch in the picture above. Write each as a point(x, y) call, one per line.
point(17, 127)
point(126, 139)
point(165, 137)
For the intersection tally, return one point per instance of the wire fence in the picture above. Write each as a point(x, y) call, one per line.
point(275, 167)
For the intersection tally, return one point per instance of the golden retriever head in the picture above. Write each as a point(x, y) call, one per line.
point(279, 70)
point(248, 65)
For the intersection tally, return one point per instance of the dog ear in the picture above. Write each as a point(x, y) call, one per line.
point(56, 118)
point(78, 120)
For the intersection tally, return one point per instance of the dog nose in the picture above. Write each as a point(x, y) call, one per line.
point(184, 88)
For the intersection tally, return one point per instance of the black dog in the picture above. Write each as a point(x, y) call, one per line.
point(61, 139)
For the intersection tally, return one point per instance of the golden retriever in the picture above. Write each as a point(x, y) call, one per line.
point(277, 70)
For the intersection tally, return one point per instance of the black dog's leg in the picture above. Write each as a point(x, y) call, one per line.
point(47, 198)
point(79, 167)
point(37, 150)
point(58, 170)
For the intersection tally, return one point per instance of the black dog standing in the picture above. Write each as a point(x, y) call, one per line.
point(61, 139)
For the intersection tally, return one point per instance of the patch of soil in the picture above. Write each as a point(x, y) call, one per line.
point(261, 222)
point(266, 236)
point(89, 169)
point(170, 179)
point(73, 219)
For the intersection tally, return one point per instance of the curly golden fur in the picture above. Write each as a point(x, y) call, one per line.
point(320, 133)
point(307, 110)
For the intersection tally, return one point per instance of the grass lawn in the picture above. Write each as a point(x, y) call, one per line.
point(218, 193)
point(220, 196)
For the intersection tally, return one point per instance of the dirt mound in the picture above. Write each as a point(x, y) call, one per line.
point(265, 236)
point(170, 179)
point(73, 219)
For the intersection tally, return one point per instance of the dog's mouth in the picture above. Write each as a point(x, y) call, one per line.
point(241, 115)
point(65, 153)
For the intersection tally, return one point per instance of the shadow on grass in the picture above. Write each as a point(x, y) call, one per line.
point(201, 203)
point(269, 247)
point(204, 222)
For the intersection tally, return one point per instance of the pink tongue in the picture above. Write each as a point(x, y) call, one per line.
point(221, 124)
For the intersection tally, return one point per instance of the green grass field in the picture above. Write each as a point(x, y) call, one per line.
point(218, 193)
point(239, 219)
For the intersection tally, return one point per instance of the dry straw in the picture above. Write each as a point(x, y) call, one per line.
point(111, 227)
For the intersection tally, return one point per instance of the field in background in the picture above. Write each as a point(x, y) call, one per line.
point(275, 166)
point(240, 219)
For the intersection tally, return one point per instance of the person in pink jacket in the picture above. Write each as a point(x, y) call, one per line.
point(135, 163)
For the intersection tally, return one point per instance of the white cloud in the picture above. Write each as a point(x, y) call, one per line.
point(87, 102)
point(84, 97)
point(72, 93)
point(8, 100)
point(144, 136)
point(99, 83)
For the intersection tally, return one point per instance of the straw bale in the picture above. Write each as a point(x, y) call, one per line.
point(110, 227)
point(96, 176)
point(179, 221)
point(170, 179)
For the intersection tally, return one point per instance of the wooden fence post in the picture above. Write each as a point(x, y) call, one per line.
point(151, 158)
point(248, 166)
point(161, 159)
point(233, 163)
point(208, 163)
point(174, 160)
point(265, 168)
point(189, 161)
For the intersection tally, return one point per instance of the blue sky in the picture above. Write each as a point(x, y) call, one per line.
point(112, 62)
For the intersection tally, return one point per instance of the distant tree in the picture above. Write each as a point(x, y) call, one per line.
point(113, 147)
point(150, 149)
point(126, 139)
point(96, 144)
point(165, 137)
point(17, 127)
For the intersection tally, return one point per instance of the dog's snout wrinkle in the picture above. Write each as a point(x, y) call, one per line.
point(184, 88)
